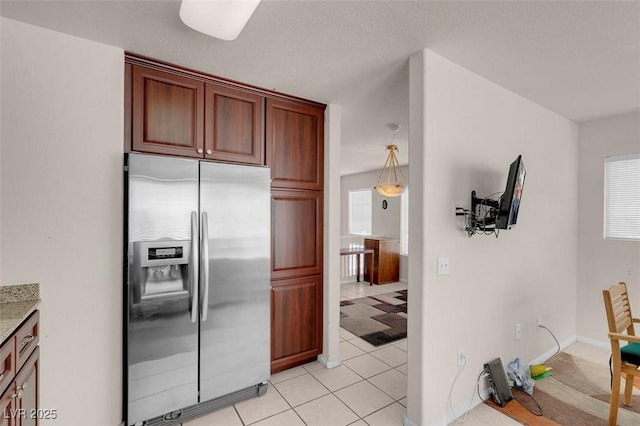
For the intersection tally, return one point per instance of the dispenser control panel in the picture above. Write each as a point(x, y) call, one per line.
point(157, 253)
point(160, 252)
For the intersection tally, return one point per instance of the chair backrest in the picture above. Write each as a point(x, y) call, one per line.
point(616, 303)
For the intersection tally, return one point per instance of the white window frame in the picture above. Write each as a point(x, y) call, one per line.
point(622, 197)
point(352, 195)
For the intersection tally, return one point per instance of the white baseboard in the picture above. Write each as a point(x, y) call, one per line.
point(322, 359)
point(462, 410)
point(594, 342)
point(406, 421)
point(548, 354)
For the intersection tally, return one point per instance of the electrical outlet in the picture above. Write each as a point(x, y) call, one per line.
point(539, 323)
point(518, 331)
point(443, 266)
point(462, 359)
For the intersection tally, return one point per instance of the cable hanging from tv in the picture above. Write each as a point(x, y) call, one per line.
point(482, 217)
point(487, 215)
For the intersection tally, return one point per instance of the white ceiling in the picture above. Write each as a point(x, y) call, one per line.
point(579, 59)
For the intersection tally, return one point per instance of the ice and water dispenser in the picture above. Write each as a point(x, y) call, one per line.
point(160, 271)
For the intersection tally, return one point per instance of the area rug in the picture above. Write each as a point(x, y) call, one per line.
point(577, 393)
point(376, 319)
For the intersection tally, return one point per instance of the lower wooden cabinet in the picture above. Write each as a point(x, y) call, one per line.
point(296, 321)
point(20, 401)
point(296, 277)
point(27, 407)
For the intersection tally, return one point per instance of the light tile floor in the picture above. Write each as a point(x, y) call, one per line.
point(369, 388)
point(363, 289)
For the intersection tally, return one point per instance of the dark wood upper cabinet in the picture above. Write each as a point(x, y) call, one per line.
point(234, 128)
point(167, 113)
point(295, 140)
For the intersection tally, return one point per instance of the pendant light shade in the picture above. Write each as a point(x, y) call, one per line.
point(388, 183)
point(223, 19)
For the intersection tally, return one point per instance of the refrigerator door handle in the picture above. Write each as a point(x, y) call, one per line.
point(204, 281)
point(193, 262)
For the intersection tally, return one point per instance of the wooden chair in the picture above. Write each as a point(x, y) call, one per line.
point(626, 359)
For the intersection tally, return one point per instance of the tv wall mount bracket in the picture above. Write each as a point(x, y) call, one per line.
point(482, 217)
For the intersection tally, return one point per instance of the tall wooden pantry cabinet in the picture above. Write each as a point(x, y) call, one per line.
point(171, 110)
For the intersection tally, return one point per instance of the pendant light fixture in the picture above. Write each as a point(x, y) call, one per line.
point(388, 183)
point(223, 19)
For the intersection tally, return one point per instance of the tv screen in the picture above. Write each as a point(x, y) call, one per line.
point(510, 200)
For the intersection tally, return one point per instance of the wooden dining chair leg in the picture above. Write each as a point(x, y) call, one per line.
point(615, 397)
point(628, 388)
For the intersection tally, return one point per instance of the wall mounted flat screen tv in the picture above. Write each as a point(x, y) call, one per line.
point(510, 200)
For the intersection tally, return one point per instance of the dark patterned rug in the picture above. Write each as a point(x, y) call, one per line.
point(376, 319)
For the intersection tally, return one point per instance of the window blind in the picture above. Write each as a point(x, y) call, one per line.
point(360, 212)
point(622, 197)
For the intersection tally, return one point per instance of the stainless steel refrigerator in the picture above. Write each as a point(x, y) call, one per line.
point(196, 308)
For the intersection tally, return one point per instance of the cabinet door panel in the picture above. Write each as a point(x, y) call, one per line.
point(8, 414)
point(7, 363)
point(296, 321)
point(296, 233)
point(27, 386)
point(27, 338)
point(295, 139)
point(167, 113)
point(234, 125)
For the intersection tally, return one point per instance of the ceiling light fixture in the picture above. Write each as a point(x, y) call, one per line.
point(223, 19)
point(391, 168)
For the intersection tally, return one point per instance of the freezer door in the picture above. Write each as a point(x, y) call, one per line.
point(234, 328)
point(162, 333)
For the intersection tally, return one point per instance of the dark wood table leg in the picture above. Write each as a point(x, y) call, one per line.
point(357, 267)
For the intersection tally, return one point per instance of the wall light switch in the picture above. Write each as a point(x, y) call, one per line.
point(443, 266)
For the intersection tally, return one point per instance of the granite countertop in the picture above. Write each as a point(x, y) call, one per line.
point(17, 302)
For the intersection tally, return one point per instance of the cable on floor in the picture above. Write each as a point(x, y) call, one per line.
point(521, 390)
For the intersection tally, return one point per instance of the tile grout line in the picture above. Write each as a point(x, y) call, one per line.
point(380, 409)
point(272, 415)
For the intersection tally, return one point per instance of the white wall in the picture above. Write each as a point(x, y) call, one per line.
point(330, 356)
point(465, 131)
point(602, 263)
point(1, 21)
point(383, 222)
point(61, 194)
